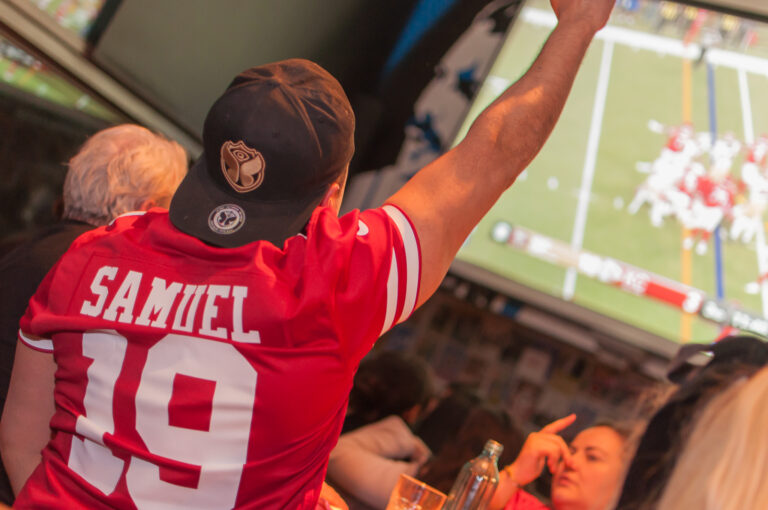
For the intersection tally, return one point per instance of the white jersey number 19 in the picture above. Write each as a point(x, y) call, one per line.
point(225, 439)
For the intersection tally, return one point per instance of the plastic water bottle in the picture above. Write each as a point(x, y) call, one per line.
point(477, 481)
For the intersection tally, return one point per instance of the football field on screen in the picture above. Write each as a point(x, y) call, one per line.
point(638, 85)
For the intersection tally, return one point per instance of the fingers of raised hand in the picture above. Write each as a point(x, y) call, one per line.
point(557, 451)
point(559, 425)
point(595, 12)
point(541, 449)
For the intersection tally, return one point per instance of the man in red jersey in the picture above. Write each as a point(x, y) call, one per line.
point(119, 169)
point(203, 358)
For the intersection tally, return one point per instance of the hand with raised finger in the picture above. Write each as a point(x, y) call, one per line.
point(541, 448)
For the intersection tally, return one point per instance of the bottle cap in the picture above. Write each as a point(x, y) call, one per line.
point(493, 447)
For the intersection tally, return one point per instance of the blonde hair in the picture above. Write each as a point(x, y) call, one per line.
point(724, 464)
point(117, 170)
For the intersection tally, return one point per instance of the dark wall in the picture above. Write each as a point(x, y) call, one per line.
point(38, 139)
point(397, 92)
point(181, 55)
point(181, 59)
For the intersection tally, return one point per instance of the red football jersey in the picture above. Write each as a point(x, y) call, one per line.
point(675, 142)
point(191, 376)
point(717, 193)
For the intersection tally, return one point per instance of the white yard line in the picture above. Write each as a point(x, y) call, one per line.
point(746, 108)
point(588, 173)
point(762, 265)
point(749, 137)
point(662, 46)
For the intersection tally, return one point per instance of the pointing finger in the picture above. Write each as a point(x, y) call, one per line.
point(561, 424)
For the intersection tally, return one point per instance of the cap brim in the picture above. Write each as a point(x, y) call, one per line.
point(197, 198)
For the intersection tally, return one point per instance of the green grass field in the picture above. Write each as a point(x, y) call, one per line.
point(46, 84)
point(75, 15)
point(53, 88)
point(642, 85)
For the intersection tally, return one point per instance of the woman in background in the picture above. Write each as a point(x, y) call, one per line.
point(587, 474)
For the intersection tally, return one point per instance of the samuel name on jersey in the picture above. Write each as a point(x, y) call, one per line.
point(161, 307)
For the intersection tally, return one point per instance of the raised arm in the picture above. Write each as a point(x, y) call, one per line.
point(448, 197)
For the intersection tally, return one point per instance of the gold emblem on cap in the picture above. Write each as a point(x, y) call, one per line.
point(243, 166)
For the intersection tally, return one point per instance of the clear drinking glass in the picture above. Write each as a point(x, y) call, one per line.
point(411, 494)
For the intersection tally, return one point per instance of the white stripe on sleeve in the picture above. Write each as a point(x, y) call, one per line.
point(411, 248)
point(389, 316)
point(40, 344)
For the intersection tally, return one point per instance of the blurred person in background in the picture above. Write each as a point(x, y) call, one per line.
point(587, 473)
point(723, 464)
point(389, 392)
point(731, 360)
point(387, 384)
point(442, 422)
point(366, 463)
point(118, 170)
point(467, 439)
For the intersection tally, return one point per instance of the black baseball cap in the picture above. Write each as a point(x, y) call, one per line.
point(272, 144)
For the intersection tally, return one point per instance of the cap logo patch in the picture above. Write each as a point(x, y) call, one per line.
point(226, 219)
point(243, 166)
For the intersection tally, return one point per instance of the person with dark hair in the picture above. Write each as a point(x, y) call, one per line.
point(388, 384)
point(470, 434)
point(587, 473)
point(366, 463)
point(377, 444)
point(442, 424)
point(203, 357)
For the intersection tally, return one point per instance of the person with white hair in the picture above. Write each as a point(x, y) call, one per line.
point(705, 447)
point(724, 463)
point(121, 169)
point(118, 170)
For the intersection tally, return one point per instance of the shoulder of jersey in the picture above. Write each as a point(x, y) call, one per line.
point(116, 226)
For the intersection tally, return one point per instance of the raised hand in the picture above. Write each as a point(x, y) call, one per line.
point(541, 448)
point(593, 12)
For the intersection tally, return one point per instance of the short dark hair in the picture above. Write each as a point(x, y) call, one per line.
point(443, 423)
point(480, 423)
point(387, 383)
